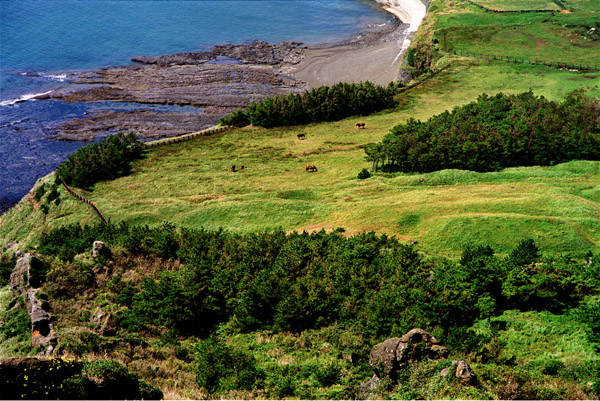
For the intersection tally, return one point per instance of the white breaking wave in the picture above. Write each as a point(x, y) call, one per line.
point(23, 98)
point(59, 77)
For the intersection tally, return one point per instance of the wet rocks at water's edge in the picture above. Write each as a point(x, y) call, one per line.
point(257, 52)
point(225, 79)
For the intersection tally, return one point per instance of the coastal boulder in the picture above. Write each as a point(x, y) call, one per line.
point(392, 354)
point(42, 332)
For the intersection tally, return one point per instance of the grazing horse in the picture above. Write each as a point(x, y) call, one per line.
point(310, 167)
point(301, 136)
point(360, 125)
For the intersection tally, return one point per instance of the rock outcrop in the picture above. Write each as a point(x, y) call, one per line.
point(100, 250)
point(24, 282)
point(462, 371)
point(394, 354)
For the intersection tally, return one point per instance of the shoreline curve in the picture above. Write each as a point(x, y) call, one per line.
point(376, 59)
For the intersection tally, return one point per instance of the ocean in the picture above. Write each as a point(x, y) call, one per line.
point(42, 41)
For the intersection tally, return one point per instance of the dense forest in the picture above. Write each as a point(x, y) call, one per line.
point(302, 281)
point(320, 104)
point(494, 132)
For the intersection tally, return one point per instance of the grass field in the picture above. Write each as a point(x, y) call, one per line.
point(565, 38)
point(518, 5)
point(190, 184)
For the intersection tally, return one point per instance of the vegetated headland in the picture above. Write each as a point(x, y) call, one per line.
point(453, 219)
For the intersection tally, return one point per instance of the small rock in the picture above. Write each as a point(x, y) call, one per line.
point(99, 249)
point(462, 371)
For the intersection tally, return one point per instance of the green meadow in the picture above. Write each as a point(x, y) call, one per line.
point(517, 354)
point(191, 184)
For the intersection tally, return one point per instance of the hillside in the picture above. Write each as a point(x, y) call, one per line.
point(275, 282)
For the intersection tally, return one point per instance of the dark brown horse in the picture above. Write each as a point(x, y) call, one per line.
point(310, 167)
point(360, 125)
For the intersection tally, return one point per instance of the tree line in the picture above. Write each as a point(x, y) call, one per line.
point(494, 132)
point(320, 104)
point(299, 281)
point(106, 160)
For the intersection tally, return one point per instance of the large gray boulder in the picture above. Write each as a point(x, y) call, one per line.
point(99, 249)
point(395, 353)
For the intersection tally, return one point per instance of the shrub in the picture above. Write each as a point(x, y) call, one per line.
point(7, 264)
point(106, 160)
point(327, 374)
point(221, 367)
point(494, 132)
point(552, 367)
point(364, 173)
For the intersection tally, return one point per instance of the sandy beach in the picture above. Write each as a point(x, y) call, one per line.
point(377, 60)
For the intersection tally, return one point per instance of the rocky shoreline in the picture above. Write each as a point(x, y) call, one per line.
point(219, 81)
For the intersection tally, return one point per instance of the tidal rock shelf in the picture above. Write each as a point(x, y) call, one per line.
point(228, 78)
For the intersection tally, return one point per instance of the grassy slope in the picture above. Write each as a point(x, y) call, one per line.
point(190, 184)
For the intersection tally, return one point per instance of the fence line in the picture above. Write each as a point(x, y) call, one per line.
point(186, 137)
point(558, 3)
point(84, 200)
point(522, 60)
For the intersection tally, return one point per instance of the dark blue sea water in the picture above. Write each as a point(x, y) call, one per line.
point(41, 41)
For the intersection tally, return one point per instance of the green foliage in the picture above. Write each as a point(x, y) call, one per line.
point(525, 253)
point(106, 160)
point(320, 104)
point(39, 193)
point(221, 367)
point(37, 271)
point(238, 118)
point(363, 174)
point(327, 374)
point(16, 322)
point(302, 281)
point(552, 367)
point(7, 264)
point(493, 133)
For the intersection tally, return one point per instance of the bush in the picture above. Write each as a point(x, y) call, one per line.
point(221, 367)
point(327, 374)
point(364, 173)
point(8, 260)
point(106, 160)
point(552, 367)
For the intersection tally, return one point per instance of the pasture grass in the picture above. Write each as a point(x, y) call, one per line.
point(558, 38)
point(517, 5)
point(190, 184)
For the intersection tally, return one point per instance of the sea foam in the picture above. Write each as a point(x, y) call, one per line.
point(24, 98)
